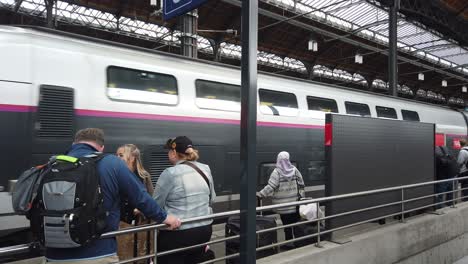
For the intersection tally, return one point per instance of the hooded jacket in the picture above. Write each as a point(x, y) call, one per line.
point(284, 190)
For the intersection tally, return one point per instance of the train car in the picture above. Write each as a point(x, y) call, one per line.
point(54, 83)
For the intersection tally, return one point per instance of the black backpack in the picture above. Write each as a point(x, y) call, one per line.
point(448, 166)
point(68, 211)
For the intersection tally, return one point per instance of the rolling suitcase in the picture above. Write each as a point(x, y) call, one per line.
point(263, 222)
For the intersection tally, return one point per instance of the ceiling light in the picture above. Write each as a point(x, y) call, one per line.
point(358, 58)
point(464, 89)
point(421, 76)
point(444, 83)
point(312, 45)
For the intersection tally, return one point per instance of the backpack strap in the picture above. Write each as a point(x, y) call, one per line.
point(97, 156)
point(443, 150)
point(199, 172)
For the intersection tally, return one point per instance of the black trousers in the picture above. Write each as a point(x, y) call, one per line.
point(289, 219)
point(168, 240)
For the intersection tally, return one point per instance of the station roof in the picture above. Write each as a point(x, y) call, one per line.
point(432, 37)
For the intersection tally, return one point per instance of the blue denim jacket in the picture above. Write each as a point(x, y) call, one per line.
point(183, 192)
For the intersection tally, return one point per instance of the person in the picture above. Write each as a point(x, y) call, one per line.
point(186, 190)
point(285, 185)
point(446, 168)
point(462, 161)
point(115, 180)
point(129, 246)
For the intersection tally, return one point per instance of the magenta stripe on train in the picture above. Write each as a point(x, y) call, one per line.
point(17, 108)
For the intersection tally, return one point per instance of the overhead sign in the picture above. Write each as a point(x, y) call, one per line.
point(173, 8)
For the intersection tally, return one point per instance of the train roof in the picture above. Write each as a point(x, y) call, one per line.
point(45, 31)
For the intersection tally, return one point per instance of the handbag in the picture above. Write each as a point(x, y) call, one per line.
point(299, 196)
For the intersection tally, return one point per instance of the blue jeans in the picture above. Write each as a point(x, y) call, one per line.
point(441, 188)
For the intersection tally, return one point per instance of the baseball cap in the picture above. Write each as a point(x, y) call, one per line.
point(180, 144)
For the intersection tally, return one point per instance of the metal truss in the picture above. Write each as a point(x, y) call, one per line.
point(433, 14)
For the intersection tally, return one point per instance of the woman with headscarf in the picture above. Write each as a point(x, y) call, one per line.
point(285, 185)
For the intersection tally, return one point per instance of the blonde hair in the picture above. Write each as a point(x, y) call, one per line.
point(130, 150)
point(190, 154)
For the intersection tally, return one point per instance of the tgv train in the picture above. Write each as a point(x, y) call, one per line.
point(54, 83)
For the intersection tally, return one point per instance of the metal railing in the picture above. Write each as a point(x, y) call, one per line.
point(320, 230)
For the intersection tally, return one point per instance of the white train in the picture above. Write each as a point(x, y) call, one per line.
point(54, 83)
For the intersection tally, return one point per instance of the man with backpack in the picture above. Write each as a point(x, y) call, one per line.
point(446, 168)
point(462, 161)
point(69, 239)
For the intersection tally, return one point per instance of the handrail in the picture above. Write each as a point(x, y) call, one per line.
point(25, 247)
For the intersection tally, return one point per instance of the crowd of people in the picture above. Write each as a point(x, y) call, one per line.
point(449, 167)
point(186, 190)
point(182, 191)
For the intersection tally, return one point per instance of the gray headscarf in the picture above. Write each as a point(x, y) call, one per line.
point(283, 165)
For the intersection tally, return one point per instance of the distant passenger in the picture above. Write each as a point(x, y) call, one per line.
point(137, 244)
point(463, 164)
point(446, 168)
point(116, 180)
point(186, 190)
point(285, 185)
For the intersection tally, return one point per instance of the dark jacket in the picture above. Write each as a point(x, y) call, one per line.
point(116, 180)
point(445, 170)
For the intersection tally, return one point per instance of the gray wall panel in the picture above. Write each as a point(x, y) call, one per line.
point(371, 153)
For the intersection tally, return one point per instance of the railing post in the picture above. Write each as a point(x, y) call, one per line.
point(155, 242)
point(318, 226)
point(454, 192)
point(402, 205)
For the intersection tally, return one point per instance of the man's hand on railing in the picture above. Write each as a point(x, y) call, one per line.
point(172, 222)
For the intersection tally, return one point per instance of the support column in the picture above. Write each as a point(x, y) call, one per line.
point(49, 15)
point(216, 45)
point(369, 80)
point(248, 180)
point(310, 70)
point(188, 40)
point(392, 46)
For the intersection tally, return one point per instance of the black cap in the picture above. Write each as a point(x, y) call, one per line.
point(180, 144)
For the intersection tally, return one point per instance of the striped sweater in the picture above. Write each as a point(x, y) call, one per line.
point(284, 190)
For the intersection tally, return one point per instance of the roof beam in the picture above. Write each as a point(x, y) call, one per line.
point(344, 7)
point(433, 14)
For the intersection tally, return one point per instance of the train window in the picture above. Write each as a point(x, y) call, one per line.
point(278, 103)
point(386, 112)
point(410, 115)
point(357, 109)
point(265, 171)
point(322, 104)
point(141, 86)
point(216, 95)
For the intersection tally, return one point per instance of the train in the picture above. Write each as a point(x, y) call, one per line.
point(54, 83)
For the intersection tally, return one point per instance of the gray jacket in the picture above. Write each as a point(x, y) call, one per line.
point(462, 159)
point(183, 192)
point(284, 190)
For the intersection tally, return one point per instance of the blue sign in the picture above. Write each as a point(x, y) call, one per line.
point(173, 8)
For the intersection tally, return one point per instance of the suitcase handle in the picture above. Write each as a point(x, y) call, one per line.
point(259, 204)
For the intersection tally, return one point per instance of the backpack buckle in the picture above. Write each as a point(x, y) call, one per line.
point(67, 221)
